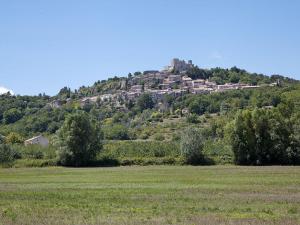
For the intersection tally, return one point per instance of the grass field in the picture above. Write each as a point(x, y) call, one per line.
point(150, 195)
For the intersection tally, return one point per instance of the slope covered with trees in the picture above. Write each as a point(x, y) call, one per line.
point(249, 126)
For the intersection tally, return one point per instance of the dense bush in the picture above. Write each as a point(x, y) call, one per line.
point(192, 118)
point(12, 115)
point(36, 151)
point(14, 138)
point(159, 137)
point(35, 163)
point(191, 146)
point(218, 151)
point(157, 116)
point(127, 149)
point(116, 132)
point(145, 161)
point(7, 154)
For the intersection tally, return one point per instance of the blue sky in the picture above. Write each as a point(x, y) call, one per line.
point(46, 45)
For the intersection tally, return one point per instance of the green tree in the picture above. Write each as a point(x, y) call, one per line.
point(191, 146)
point(79, 140)
point(262, 137)
point(145, 102)
point(64, 93)
point(196, 73)
point(243, 138)
point(14, 138)
point(234, 78)
point(261, 122)
point(199, 106)
point(12, 115)
point(137, 73)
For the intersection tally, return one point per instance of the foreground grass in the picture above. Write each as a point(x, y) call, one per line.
point(150, 195)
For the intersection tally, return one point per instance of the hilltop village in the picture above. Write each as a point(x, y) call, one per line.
point(171, 80)
point(156, 106)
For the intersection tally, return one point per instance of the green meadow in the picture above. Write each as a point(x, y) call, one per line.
point(150, 195)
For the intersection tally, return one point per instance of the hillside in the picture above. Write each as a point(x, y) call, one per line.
point(148, 111)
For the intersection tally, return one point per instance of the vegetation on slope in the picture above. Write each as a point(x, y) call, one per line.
point(270, 114)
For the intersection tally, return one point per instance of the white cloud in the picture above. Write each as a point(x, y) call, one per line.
point(4, 90)
point(216, 55)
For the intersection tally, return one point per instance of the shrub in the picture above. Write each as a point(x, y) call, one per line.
point(145, 161)
point(12, 115)
point(35, 163)
point(191, 146)
point(144, 134)
point(218, 150)
point(157, 116)
point(159, 137)
point(14, 138)
point(176, 137)
point(133, 149)
point(7, 154)
point(35, 152)
point(116, 132)
point(192, 118)
point(106, 160)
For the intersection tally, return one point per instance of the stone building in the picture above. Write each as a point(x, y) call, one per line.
point(179, 65)
point(198, 83)
point(136, 88)
point(38, 140)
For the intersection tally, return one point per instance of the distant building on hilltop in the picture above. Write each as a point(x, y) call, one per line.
point(179, 65)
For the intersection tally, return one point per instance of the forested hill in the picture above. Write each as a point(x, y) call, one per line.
point(30, 115)
point(189, 115)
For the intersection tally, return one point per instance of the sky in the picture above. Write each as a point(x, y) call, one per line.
point(46, 45)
